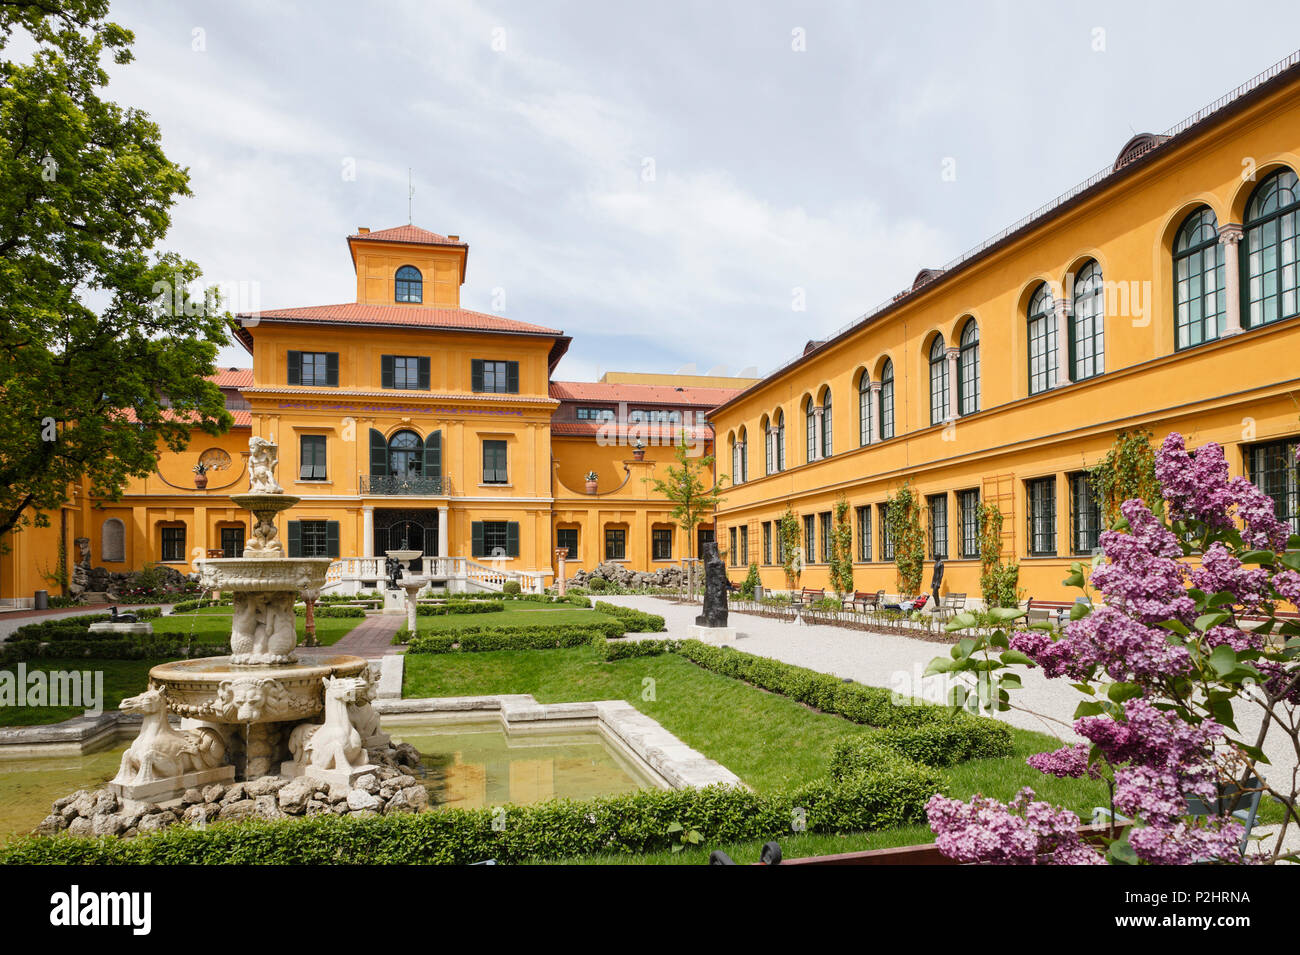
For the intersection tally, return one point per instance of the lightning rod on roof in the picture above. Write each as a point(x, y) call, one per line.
point(410, 196)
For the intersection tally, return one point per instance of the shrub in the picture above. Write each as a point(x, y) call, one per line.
point(332, 611)
point(481, 639)
point(187, 606)
point(510, 587)
point(752, 581)
point(597, 584)
point(459, 607)
point(634, 621)
point(119, 648)
point(937, 744)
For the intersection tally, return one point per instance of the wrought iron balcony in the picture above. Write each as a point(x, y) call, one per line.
point(410, 485)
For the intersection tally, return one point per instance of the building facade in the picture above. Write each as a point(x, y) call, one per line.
point(1161, 295)
point(405, 421)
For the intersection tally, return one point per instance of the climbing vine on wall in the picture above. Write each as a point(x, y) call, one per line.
point(842, 550)
point(1128, 471)
point(791, 554)
point(904, 520)
point(999, 582)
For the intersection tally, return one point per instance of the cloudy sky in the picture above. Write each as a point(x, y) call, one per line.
point(664, 181)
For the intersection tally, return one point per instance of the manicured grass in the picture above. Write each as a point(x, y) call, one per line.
point(546, 615)
point(122, 678)
point(767, 740)
point(215, 628)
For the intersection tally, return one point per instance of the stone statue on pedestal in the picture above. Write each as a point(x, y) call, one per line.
point(715, 588)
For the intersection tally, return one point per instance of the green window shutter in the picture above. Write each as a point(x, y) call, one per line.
point(295, 538)
point(512, 377)
point(512, 538)
point(378, 454)
point(476, 374)
point(331, 538)
point(332, 369)
point(295, 368)
point(433, 455)
point(424, 373)
point(476, 538)
point(386, 371)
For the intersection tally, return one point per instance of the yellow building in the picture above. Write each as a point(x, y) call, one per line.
point(404, 420)
point(1160, 294)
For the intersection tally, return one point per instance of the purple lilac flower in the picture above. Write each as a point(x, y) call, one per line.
point(1182, 844)
point(1196, 488)
point(1278, 678)
point(1143, 573)
point(1221, 571)
point(1022, 832)
point(1068, 762)
point(1287, 583)
point(1124, 647)
point(1240, 640)
point(1261, 530)
point(1054, 656)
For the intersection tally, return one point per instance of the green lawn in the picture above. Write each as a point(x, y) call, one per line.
point(123, 678)
point(767, 740)
point(544, 615)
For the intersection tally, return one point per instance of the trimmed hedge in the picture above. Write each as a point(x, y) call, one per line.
point(116, 649)
point(332, 611)
point(638, 822)
point(636, 621)
point(185, 606)
point(461, 606)
point(939, 744)
point(482, 639)
point(82, 622)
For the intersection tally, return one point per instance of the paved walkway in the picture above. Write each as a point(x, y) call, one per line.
point(371, 638)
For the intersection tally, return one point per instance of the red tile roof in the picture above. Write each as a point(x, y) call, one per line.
point(232, 377)
point(665, 433)
point(410, 234)
point(640, 394)
point(415, 316)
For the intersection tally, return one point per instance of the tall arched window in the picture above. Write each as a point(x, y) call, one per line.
point(1272, 258)
point(938, 381)
point(735, 458)
point(1087, 342)
point(1042, 340)
point(769, 460)
point(1200, 295)
point(828, 447)
point(778, 439)
point(864, 409)
point(887, 401)
point(810, 427)
point(408, 285)
point(405, 455)
point(968, 369)
point(744, 455)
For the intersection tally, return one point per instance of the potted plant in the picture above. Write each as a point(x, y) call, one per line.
point(200, 475)
point(638, 451)
point(591, 477)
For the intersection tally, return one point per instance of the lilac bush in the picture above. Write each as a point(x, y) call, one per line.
point(1185, 632)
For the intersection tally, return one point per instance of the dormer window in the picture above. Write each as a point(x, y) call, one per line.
point(408, 285)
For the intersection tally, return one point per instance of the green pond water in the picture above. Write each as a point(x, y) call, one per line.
point(465, 765)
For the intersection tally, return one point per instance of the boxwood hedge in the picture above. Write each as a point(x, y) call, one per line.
point(636, 621)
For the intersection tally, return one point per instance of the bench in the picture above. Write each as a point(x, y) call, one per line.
point(862, 601)
point(1049, 611)
point(950, 606)
point(808, 595)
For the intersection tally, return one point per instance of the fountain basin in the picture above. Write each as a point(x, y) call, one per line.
point(263, 502)
point(268, 574)
point(218, 690)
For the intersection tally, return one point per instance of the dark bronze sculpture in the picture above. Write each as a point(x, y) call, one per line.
point(392, 567)
point(715, 588)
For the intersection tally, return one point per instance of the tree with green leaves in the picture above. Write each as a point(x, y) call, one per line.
point(104, 351)
point(691, 488)
point(790, 535)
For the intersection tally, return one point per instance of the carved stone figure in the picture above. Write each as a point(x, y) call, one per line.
point(160, 752)
point(263, 628)
point(362, 713)
point(264, 455)
point(715, 588)
point(335, 744)
point(254, 700)
point(81, 569)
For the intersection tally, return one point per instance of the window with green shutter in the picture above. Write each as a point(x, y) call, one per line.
point(494, 462)
point(318, 369)
point(501, 377)
point(494, 539)
point(311, 457)
point(404, 372)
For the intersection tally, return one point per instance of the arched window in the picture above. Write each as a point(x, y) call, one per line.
point(736, 476)
point(1200, 297)
point(1272, 258)
point(405, 455)
point(828, 447)
point(864, 409)
point(408, 285)
point(1042, 340)
point(743, 443)
point(887, 401)
point(810, 427)
point(938, 381)
point(968, 369)
point(778, 440)
point(769, 463)
point(1087, 344)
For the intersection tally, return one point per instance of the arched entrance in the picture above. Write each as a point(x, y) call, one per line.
point(406, 528)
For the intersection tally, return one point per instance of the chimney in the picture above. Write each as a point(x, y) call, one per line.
point(363, 230)
point(454, 238)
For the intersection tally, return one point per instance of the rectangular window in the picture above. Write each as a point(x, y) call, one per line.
point(733, 550)
point(315, 538)
point(767, 543)
point(886, 538)
point(311, 457)
point(173, 544)
point(1085, 515)
point(864, 533)
point(501, 377)
point(1042, 353)
point(661, 543)
point(232, 542)
point(937, 505)
point(313, 368)
point(494, 462)
point(494, 538)
point(1041, 495)
point(744, 546)
point(1272, 469)
point(595, 414)
point(567, 537)
point(404, 372)
point(969, 502)
point(809, 539)
point(615, 543)
point(826, 537)
point(779, 545)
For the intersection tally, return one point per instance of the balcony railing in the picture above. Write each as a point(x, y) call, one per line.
point(421, 486)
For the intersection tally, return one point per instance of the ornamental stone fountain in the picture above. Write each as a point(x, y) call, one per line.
point(258, 711)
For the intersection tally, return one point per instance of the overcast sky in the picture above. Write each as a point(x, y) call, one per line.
point(657, 179)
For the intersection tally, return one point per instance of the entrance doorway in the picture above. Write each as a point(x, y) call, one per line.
point(406, 529)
